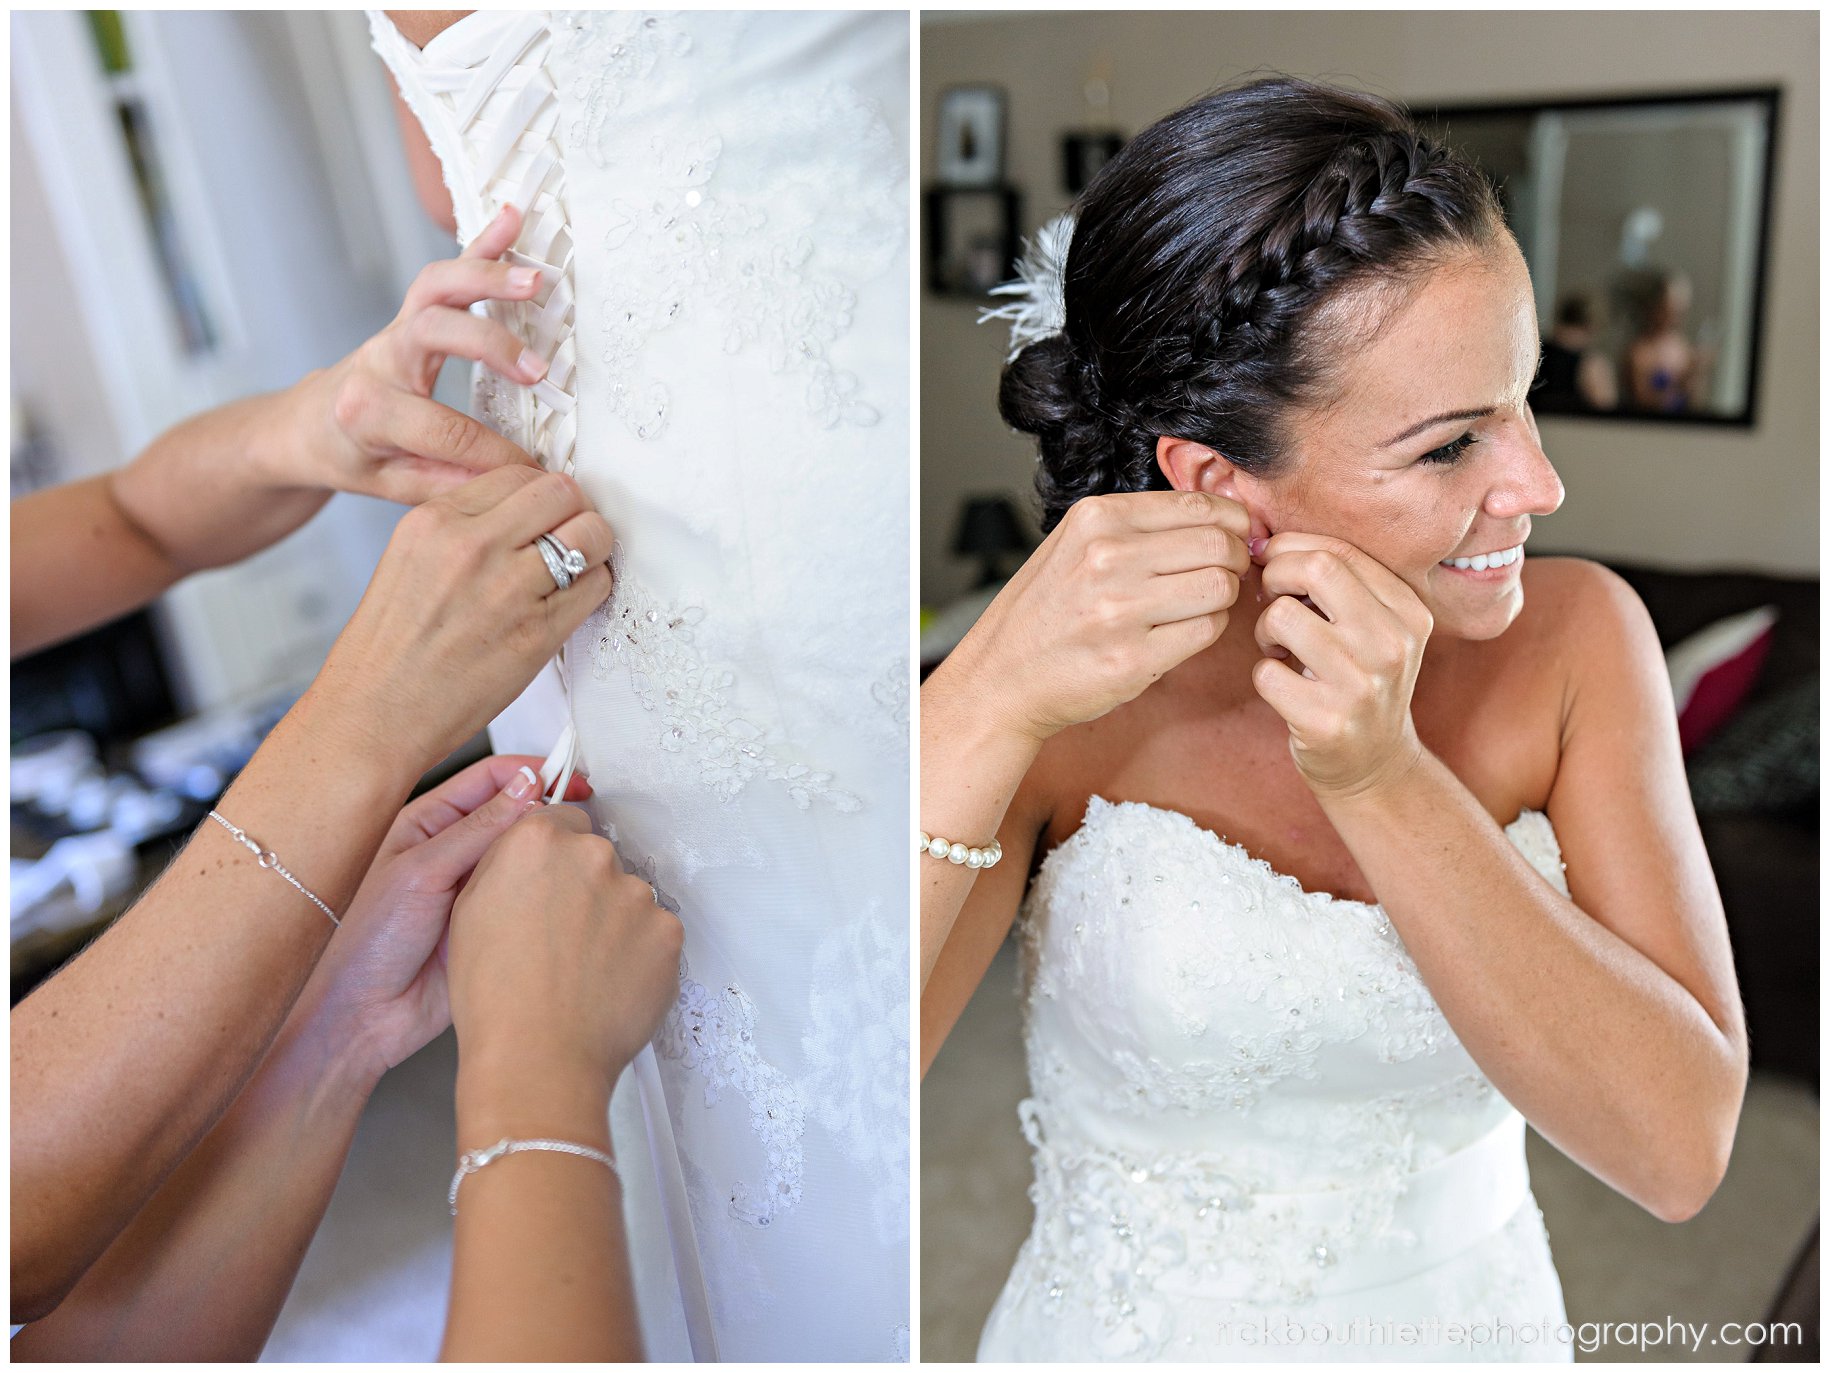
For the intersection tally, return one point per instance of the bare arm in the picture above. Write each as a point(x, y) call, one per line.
point(1123, 589)
point(982, 915)
point(561, 965)
point(203, 494)
point(420, 27)
point(204, 1269)
point(540, 1264)
point(197, 977)
point(1610, 1019)
point(971, 767)
point(229, 482)
point(129, 1055)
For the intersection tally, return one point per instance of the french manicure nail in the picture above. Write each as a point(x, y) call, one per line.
point(531, 364)
point(522, 784)
point(521, 278)
point(1256, 547)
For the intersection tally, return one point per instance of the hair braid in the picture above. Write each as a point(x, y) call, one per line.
point(1202, 262)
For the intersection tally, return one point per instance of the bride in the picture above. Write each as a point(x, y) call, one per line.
point(1339, 838)
point(717, 206)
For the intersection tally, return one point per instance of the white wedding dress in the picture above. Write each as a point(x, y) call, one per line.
point(1250, 1120)
point(719, 203)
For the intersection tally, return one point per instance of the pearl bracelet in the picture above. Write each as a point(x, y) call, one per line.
point(937, 847)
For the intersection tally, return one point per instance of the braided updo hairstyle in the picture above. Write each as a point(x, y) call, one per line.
point(1204, 261)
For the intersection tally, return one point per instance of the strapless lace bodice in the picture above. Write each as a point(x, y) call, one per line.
point(1244, 1098)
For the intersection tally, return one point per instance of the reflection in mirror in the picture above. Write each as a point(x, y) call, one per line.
point(1645, 224)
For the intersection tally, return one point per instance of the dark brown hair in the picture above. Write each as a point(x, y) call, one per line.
point(1203, 261)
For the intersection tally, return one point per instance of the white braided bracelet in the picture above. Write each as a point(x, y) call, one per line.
point(477, 1159)
point(936, 847)
point(267, 858)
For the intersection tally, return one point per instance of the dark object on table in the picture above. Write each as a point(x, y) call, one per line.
point(111, 683)
point(1756, 791)
point(989, 531)
point(1084, 153)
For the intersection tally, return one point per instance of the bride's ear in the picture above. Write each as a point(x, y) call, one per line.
point(1192, 466)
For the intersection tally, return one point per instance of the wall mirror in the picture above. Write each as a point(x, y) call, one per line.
point(1645, 222)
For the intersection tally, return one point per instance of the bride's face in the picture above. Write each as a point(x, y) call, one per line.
point(1429, 451)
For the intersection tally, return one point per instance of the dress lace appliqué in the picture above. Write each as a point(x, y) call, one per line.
point(713, 1034)
point(688, 244)
point(657, 644)
point(857, 1052)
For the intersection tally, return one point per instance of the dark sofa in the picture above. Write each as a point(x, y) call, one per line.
point(1765, 851)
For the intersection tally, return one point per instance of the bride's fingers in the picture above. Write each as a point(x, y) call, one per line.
point(1282, 687)
point(1183, 595)
point(1334, 567)
point(1192, 547)
point(1167, 645)
point(1289, 624)
point(440, 331)
point(1332, 584)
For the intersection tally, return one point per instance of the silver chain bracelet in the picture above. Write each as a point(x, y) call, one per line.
point(267, 858)
point(478, 1159)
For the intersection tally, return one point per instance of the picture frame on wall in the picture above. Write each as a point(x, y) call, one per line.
point(972, 238)
point(969, 142)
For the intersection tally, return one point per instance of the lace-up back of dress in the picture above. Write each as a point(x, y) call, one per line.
point(1180, 992)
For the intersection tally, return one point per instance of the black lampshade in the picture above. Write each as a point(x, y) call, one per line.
point(988, 527)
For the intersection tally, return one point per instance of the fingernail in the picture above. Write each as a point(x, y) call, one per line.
point(521, 278)
point(531, 364)
point(522, 785)
point(1256, 547)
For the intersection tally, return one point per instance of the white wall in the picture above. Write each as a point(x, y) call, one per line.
point(1669, 495)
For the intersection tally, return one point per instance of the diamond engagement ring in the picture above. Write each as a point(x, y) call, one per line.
point(563, 563)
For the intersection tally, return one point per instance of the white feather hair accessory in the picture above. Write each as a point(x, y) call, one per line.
point(1038, 307)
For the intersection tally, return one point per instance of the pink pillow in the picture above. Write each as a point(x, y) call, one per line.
point(1714, 669)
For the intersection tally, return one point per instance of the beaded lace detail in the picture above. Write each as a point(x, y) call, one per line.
point(708, 247)
point(699, 720)
point(1272, 1042)
point(714, 1035)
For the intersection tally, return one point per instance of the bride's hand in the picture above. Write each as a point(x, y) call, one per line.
point(1122, 590)
point(1349, 707)
point(561, 966)
point(380, 986)
point(369, 424)
point(460, 614)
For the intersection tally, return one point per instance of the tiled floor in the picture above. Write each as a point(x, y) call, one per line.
point(1617, 1262)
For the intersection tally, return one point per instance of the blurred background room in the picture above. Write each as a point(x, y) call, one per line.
point(207, 205)
point(1661, 173)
